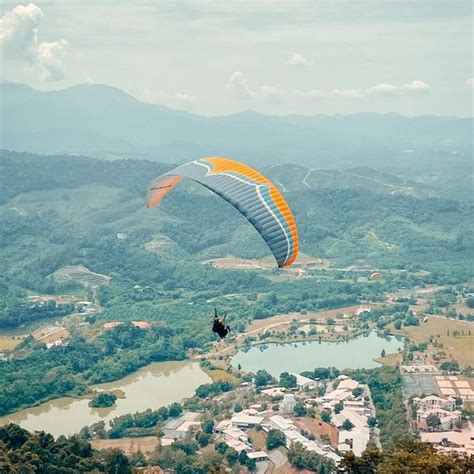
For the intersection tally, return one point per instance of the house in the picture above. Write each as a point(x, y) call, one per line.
point(258, 456)
point(304, 383)
point(243, 420)
point(347, 384)
point(277, 422)
point(357, 439)
point(448, 419)
point(433, 401)
point(274, 392)
point(451, 442)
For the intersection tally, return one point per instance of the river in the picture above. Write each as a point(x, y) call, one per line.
point(356, 353)
point(156, 385)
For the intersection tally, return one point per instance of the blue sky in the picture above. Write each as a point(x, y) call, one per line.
point(277, 57)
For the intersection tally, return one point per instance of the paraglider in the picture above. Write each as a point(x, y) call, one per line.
point(219, 326)
point(256, 197)
point(375, 275)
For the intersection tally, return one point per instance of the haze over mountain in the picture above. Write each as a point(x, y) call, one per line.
point(104, 121)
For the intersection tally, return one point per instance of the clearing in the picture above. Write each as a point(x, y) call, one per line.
point(82, 275)
point(145, 444)
point(444, 330)
point(7, 343)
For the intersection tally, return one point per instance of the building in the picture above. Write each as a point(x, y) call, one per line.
point(292, 435)
point(258, 456)
point(451, 442)
point(347, 384)
point(177, 428)
point(244, 420)
point(447, 419)
point(288, 403)
point(277, 422)
point(274, 392)
point(304, 383)
point(432, 402)
point(445, 408)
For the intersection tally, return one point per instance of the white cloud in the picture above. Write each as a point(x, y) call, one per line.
point(19, 42)
point(50, 58)
point(174, 100)
point(297, 59)
point(416, 87)
point(325, 93)
point(240, 86)
point(470, 83)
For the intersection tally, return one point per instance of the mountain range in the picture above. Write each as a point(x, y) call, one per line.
point(106, 122)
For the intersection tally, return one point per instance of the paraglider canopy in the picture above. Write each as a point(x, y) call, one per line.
point(375, 275)
point(255, 196)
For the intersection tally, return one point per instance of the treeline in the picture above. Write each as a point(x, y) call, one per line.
point(24, 452)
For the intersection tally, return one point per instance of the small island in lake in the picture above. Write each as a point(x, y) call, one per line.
point(103, 400)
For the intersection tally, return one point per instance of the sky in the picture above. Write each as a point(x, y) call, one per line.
point(210, 57)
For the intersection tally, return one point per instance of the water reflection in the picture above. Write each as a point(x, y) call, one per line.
point(155, 385)
point(355, 353)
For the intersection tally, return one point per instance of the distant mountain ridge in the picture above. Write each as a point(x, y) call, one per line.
point(98, 119)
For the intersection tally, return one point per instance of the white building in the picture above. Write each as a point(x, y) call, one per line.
point(433, 401)
point(288, 403)
point(305, 383)
point(244, 420)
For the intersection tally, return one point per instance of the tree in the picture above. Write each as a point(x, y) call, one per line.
point(338, 407)
point(275, 438)
point(299, 410)
point(243, 457)
point(232, 456)
point(175, 410)
point(237, 408)
point(357, 392)
point(262, 378)
point(287, 380)
point(250, 464)
point(221, 447)
point(326, 416)
point(382, 354)
point(433, 421)
point(452, 366)
point(347, 425)
point(372, 422)
point(397, 324)
point(203, 439)
point(208, 426)
point(103, 400)
point(322, 373)
point(301, 458)
point(116, 462)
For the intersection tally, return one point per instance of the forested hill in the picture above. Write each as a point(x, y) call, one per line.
point(78, 225)
point(105, 121)
point(65, 210)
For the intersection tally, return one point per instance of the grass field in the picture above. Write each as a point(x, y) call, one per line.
point(7, 343)
point(218, 375)
point(145, 444)
point(459, 348)
point(390, 360)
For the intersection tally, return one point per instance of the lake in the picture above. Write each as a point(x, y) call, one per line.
point(356, 353)
point(156, 385)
